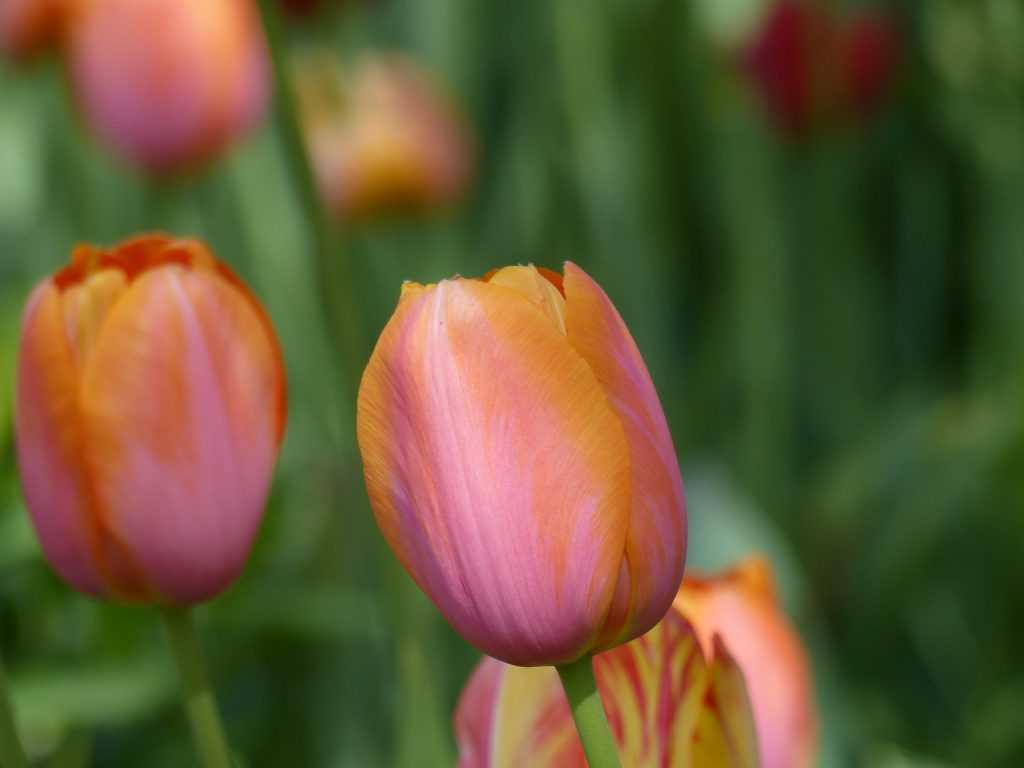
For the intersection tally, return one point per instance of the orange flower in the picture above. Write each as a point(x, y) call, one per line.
point(382, 139)
point(168, 83)
point(740, 606)
point(667, 702)
point(150, 408)
point(519, 464)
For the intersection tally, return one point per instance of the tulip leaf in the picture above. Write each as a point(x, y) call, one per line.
point(52, 699)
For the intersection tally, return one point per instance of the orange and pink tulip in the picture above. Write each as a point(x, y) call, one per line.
point(519, 464)
point(668, 703)
point(383, 138)
point(168, 84)
point(149, 412)
point(741, 607)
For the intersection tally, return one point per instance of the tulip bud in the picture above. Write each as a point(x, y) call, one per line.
point(811, 65)
point(149, 412)
point(28, 26)
point(740, 607)
point(519, 464)
point(384, 139)
point(169, 83)
point(667, 704)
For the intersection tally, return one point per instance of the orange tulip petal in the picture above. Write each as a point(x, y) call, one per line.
point(656, 545)
point(188, 341)
point(496, 469)
point(54, 482)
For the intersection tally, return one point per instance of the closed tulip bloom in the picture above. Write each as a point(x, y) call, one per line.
point(149, 412)
point(27, 26)
point(740, 606)
point(383, 138)
point(169, 84)
point(519, 464)
point(668, 705)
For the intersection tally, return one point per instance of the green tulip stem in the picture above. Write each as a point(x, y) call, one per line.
point(588, 712)
point(333, 271)
point(11, 753)
point(200, 704)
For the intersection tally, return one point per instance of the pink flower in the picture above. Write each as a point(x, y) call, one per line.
point(150, 408)
point(519, 464)
point(168, 84)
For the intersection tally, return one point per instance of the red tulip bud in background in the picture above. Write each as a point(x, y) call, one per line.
point(150, 408)
point(168, 84)
point(811, 66)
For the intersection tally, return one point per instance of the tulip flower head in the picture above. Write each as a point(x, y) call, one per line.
point(740, 607)
point(382, 139)
point(519, 464)
point(168, 84)
point(149, 411)
point(28, 26)
point(811, 65)
point(667, 702)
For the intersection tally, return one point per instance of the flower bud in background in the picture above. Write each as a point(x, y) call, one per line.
point(168, 84)
point(383, 137)
point(741, 608)
point(149, 412)
point(29, 26)
point(811, 66)
point(519, 464)
point(667, 703)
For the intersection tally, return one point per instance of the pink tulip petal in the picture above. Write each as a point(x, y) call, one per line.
point(656, 544)
point(182, 404)
point(496, 469)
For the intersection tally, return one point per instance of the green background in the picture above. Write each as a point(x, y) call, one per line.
point(835, 326)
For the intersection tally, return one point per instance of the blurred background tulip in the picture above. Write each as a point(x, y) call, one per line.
point(383, 136)
point(669, 703)
point(168, 84)
point(150, 409)
point(740, 607)
point(519, 464)
point(812, 65)
point(28, 26)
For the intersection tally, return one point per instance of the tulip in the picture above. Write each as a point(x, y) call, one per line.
point(382, 139)
point(668, 703)
point(28, 26)
point(150, 408)
point(518, 463)
point(168, 84)
point(811, 65)
point(740, 607)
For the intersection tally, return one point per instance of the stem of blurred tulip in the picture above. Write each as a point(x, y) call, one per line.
point(333, 271)
point(588, 712)
point(11, 753)
point(200, 703)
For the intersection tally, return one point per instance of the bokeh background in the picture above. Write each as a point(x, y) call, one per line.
point(830, 301)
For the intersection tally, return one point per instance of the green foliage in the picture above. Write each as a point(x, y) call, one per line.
point(835, 325)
